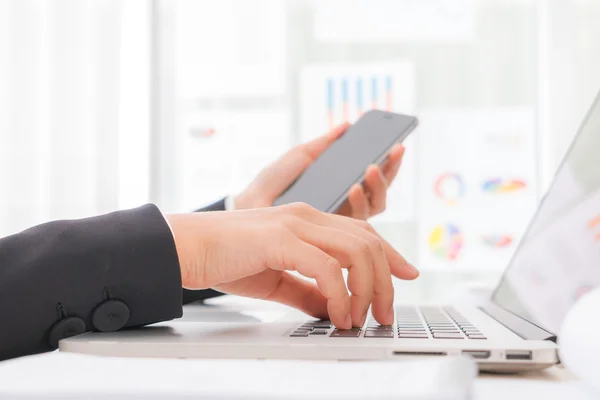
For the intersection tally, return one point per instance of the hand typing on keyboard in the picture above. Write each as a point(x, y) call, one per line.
point(251, 252)
point(411, 323)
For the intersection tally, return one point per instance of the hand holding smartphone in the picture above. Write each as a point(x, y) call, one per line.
point(326, 182)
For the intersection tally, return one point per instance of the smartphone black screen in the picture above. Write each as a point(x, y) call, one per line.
point(326, 182)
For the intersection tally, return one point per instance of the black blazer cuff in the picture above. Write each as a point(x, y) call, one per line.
point(155, 264)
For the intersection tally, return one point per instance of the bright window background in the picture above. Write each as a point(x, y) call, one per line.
point(74, 108)
point(107, 104)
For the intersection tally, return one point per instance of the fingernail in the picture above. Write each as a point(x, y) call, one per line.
point(413, 269)
point(348, 322)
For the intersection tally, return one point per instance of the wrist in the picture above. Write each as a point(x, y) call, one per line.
point(191, 249)
point(249, 199)
point(242, 201)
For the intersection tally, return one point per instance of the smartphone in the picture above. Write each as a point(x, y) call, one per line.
point(326, 182)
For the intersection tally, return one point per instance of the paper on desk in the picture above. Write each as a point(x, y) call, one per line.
point(62, 375)
point(522, 388)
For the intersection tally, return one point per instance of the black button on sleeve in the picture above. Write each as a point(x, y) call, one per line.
point(110, 316)
point(65, 328)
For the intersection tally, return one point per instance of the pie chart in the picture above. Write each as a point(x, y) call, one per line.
point(446, 241)
point(449, 187)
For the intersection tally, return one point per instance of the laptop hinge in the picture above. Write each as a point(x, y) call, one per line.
point(517, 325)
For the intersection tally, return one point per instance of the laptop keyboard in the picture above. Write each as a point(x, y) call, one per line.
point(411, 323)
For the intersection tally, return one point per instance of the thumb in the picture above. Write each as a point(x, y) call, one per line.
point(300, 294)
point(315, 147)
point(283, 172)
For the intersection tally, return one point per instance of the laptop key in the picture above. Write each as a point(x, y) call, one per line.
point(405, 336)
point(319, 332)
point(379, 334)
point(305, 328)
point(447, 336)
point(299, 334)
point(345, 333)
point(443, 329)
point(318, 325)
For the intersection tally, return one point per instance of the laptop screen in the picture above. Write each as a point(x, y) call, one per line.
point(558, 259)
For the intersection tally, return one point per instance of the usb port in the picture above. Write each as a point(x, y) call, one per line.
point(479, 354)
point(518, 355)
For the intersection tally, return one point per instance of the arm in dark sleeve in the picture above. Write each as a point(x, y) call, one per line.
point(102, 273)
point(190, 296)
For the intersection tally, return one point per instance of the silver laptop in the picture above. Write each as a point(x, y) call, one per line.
point(557, 261)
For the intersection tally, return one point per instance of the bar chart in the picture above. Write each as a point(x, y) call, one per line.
point(338, 93)
point(374, 92)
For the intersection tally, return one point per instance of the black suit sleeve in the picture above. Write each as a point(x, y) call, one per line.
point(103, 273)
point(190, 296)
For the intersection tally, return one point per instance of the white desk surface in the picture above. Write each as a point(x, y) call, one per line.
point(553, 383)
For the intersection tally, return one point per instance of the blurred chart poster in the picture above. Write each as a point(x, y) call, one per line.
point(477, 185)
point(222, 152)
point(331, 94)
point(403, 20)
point(229, 48)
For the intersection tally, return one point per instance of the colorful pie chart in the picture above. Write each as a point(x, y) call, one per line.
point(446, 242)
point(449, 187)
